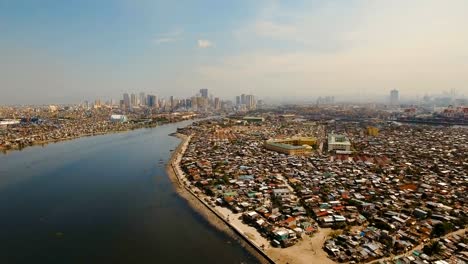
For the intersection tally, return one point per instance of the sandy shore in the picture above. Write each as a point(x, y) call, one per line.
point(308, 250)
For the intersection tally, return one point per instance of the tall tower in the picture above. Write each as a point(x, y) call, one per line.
point(243, 99)
point(126, 101)
point(250, 101)
point(204, 93)
point(133, 100)
point(142, 98)
point(172, 102)
point(217, 103)
point(151, 100)
point(394, 97)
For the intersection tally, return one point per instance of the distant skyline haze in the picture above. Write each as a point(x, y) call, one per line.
point(55, 51)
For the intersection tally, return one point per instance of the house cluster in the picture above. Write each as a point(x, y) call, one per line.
point(392, 191)
point(408, 182)
point(24, 126)
point(447, 250)
point(230, 162)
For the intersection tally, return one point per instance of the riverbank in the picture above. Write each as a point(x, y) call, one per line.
point(224, 220)
point(182, 187)
point(51, 141)
point(110, 197)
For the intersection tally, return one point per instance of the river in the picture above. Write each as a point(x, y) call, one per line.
point(103, 199)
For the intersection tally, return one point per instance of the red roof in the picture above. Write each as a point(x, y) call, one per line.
point(338, 208)
point(322, 213)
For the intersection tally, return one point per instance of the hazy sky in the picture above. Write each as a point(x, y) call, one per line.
point(60, 51)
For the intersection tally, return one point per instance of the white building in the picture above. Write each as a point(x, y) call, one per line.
point(280, 192)
point(8, 122)
point(338, 142)
point(118, 118)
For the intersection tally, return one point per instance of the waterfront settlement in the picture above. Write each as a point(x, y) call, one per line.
point(25, 126)
point(385, 189)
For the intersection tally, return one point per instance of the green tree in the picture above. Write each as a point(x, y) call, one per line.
point(441, 229)
point(432, 248)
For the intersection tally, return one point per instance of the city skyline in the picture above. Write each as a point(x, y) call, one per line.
point(62, 52)
point(245, 131)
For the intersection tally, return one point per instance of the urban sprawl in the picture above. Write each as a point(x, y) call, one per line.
point(387, 182)
point(387, 188)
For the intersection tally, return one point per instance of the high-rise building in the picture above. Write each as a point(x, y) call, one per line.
point(260, 104)
point(188, 103)
point(250, 101)
point(217, 103)
point(133, 100)
point(243, 99)
point(202, 102)
point(238, 100)
point(183, 103)
point(194, 103)
point(151, 100)
point(126, 100)
point(394, 97)
point(204, 93)
point(97, 103)
point(172, 102)
point(142, 98)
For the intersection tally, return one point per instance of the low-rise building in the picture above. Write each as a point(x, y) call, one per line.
point(338, 142)
point(292, 146)
point(119, 118)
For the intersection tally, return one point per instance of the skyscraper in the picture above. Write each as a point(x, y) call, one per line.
point(238, 100)
point(204, 93)
point(394, 97)
point(151, 100)
point(172, 102)
point(217, 103)
point(243, 99)
point(142, 98)
point(194, 102)
point(250, 101)
point(126, 100)
point(133, 99)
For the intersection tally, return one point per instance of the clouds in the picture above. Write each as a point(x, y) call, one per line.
point(164, 40)
point(171, 36)
point(204, 43)
point(340, 48)
point(176, 35)
point(306, 48)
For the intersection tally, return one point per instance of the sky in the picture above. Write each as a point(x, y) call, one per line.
point(58, 51)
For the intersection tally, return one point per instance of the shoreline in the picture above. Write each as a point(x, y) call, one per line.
point(53, 141)
point(307, 250)
point(5, 150)
point(197, 204)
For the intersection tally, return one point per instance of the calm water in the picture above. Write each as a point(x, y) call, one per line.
point(104, 199)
